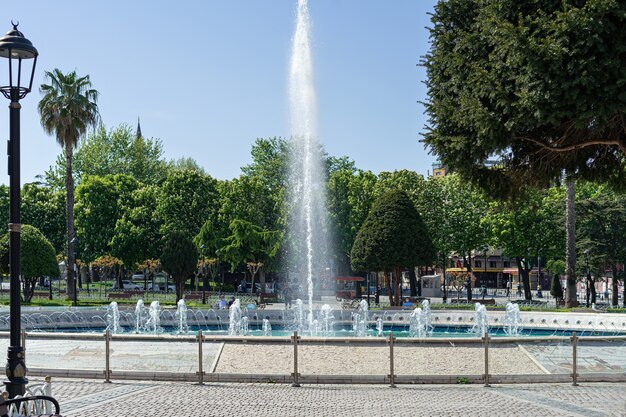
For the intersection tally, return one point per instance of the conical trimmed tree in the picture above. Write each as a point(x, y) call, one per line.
point(393, 237)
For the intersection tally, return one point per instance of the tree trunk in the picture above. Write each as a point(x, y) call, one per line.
point(180, 285)
point(570, 242)
point(413, 282)
point(262, 280)
point(397, 285)
point(592, 281)
point(69, 206)
point(389, 294)
point(614, 289)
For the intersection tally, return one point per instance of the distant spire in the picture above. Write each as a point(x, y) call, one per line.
point(138, 128)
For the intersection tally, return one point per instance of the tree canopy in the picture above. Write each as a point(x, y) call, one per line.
point(392, 237)
point(537, 85)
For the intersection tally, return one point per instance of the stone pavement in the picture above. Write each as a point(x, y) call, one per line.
point(80, 398)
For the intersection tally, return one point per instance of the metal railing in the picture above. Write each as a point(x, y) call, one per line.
point(296, 378)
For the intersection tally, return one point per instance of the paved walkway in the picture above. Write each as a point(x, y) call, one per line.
point(140, 399)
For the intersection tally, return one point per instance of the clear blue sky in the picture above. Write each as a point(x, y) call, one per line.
point(209, 77)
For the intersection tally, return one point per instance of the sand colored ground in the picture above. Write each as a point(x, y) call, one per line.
point(358, 360)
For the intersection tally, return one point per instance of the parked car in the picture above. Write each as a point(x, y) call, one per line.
point(138, 276)
point(128, 285)
point(161, 287)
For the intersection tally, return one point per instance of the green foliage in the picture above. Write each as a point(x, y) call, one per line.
point(249, 242)
point(393, 235)
point(536, 84)
point(179, 259)
point(99, 204)
point(37, 258)
point(68, 106)
point(187, 199)
point(110, 152)
point(44, 208)
point(556, 290)
point(137, 236)
point(349, 198)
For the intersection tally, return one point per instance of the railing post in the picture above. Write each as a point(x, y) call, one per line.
point(574, 340)
point(295, 375)
point(200, 369)
point(107, 352)
point(392, 376)
point(486, 343)
point(47, 390)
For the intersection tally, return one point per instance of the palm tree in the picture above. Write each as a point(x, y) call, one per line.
point(67, 109)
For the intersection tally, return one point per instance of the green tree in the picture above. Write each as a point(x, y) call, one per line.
point(37, 258)
point(137, 236)
point(187, 199)
point(99, 205)
point(349, 198)
point(602, 225)
point(67, 109)
point(525, 230)
point(179, 259)
point(250, 244)
point(392, 237)
point(536, 84)
point(44, 208)
point(115, 151)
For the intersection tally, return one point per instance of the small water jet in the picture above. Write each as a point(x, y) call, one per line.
point(234, 316)
point(360, 320)
point(326, 319)
point(480, 326)
point(113, 318)
point(511, 319)
point(181, 315)
point(267, 328)
point(141, 316)
point(153, 324)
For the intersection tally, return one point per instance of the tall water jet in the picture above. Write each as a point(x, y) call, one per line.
point(307, 229)
point(141, 316)
point(511, 319)
point(113, 318)
point(181, 315)
point(267, 328)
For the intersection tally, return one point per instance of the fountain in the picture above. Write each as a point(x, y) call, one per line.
point(235, 322)
point(327, 320)
point(307, 224)
point(267, 328)
point(360, 319)
point(379, 327)
point(141, 316)
point(113, 318)
point(181, 315)
point(153, 324)
point(417, 324)
point(511, 319)
point(480, 326)
point(298, 316)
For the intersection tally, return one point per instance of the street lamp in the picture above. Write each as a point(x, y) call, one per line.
point(204, 280)
point(16, 48)
point(75, 243)
point(588, 277)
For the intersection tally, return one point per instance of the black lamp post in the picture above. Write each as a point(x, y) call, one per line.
point(75, 243)
point(588, 277)
point(204, 280)
point(16, 48)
